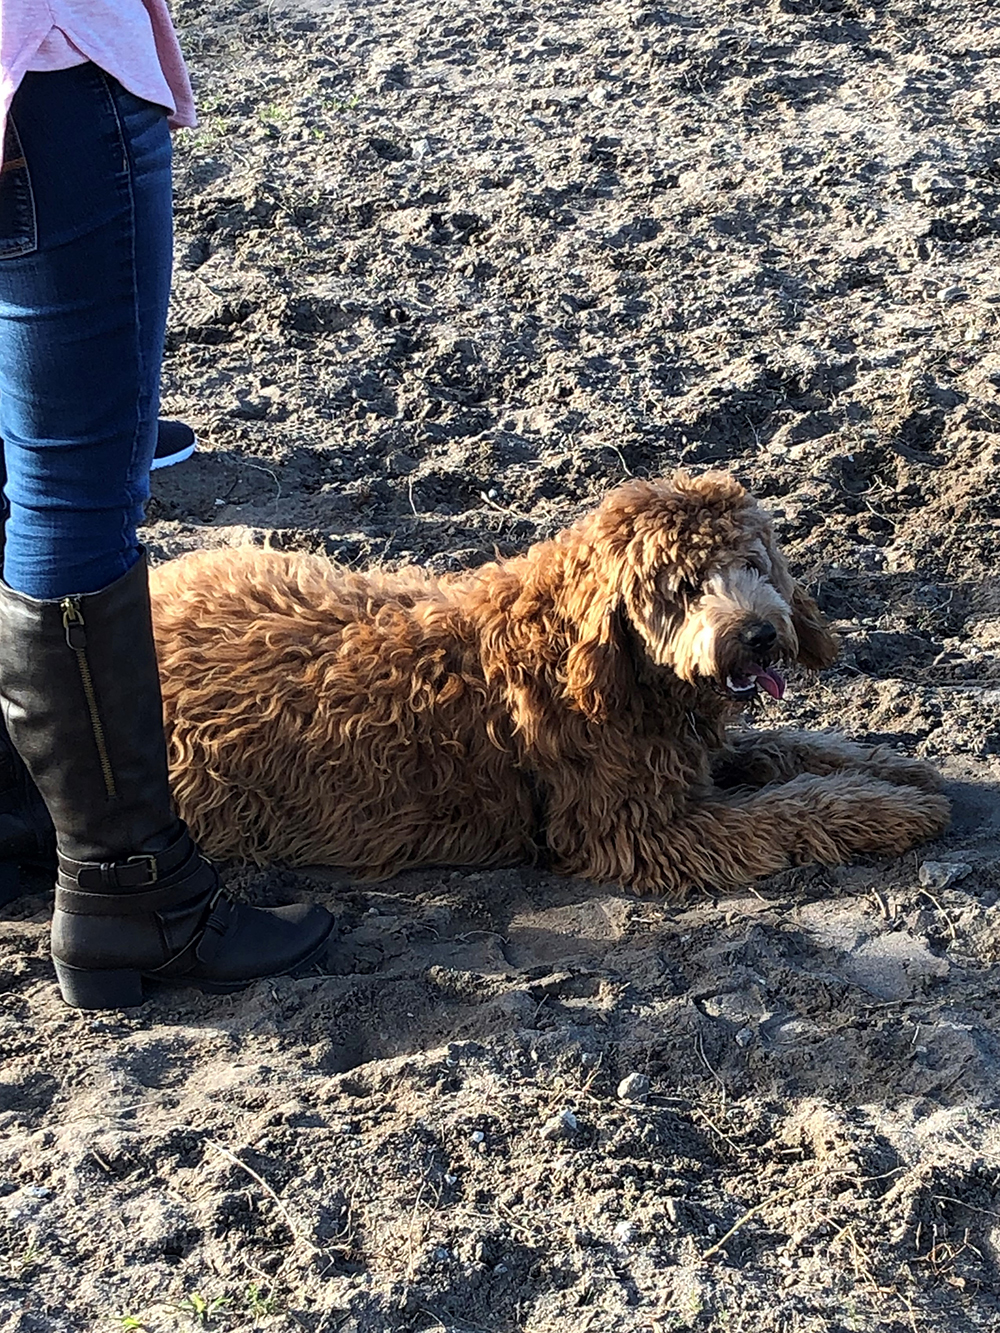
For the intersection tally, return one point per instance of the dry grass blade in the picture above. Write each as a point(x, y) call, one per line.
point(286, 1216)
point(713, 1250)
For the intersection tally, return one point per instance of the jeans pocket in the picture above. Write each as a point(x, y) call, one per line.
point(18, 227)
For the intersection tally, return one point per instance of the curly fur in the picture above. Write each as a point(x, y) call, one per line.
point(568, 705)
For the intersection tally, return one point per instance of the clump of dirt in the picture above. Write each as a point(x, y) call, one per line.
point(444, 275)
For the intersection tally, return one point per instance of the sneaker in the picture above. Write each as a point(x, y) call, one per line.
point(174, 442)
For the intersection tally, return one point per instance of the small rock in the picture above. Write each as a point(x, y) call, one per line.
point(624, 1232)
point(252, 409)
point(635, 1089)
point(939, 874)
point(744, 1037)
point(561, 1126)
point(477, 1136)
point(936, 186)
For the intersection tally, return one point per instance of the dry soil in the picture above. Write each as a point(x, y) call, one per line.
point(445, 272)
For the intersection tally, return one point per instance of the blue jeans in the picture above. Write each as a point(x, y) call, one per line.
point(85, 259)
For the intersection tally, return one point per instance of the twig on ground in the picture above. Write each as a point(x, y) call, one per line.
point(700, 1047)
point(757, 1208)
point(285, 1214)
point(947, 919)
point(259, 467)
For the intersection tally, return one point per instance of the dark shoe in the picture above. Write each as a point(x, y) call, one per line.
point(135, 899)
point(175, 442)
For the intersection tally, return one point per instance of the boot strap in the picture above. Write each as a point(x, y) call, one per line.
point(137, 872)
point(204, 943)
point(165, 893)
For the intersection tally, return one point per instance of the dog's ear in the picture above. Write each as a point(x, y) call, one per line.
point(596, 662)
point(818, 644)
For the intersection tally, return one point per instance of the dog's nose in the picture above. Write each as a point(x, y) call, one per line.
point(758, 637)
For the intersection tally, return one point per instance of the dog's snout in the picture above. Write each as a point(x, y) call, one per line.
point(759, 636)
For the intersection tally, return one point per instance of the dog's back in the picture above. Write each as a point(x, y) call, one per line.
point(315, 714)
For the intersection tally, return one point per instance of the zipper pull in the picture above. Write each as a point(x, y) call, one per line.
point(76, 633)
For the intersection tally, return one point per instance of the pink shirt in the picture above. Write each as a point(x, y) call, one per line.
point(132, 40)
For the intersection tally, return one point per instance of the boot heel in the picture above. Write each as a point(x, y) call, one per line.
point(85, 988)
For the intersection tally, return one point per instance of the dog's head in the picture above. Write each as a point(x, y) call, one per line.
point(693, 566)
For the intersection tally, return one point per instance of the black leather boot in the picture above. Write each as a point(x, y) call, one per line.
point(135, 899)
point(27, 838)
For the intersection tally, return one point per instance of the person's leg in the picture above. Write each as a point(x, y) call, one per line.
point(84, 286)
point(175, 443)
point(82, 320)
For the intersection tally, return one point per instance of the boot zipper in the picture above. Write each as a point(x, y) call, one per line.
point(76, 638)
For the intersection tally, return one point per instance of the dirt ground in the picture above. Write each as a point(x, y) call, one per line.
point(445, 272)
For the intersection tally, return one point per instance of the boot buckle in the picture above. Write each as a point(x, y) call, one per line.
point(151, 864)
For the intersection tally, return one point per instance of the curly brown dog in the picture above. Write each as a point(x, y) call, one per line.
point(569, 705)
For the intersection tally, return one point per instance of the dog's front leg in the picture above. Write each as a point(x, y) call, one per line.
point(726, 842)
point(756, 758)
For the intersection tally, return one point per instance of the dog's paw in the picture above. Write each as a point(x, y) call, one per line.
point(857, 812)
point(888, 766)
point(909, 817)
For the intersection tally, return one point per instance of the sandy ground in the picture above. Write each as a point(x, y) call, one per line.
point(445, 272)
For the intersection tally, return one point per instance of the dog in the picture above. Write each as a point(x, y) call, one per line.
point(570, 707)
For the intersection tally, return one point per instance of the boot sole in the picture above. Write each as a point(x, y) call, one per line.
point(92, 988)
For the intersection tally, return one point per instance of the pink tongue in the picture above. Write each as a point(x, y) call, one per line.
point(770, 680)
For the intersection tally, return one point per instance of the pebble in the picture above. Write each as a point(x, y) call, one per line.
point(477, 1136)
point(561, 1126)
point(635, 1089)
point(939, 874)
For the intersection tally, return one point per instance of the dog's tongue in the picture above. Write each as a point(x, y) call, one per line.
point(770, 680)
